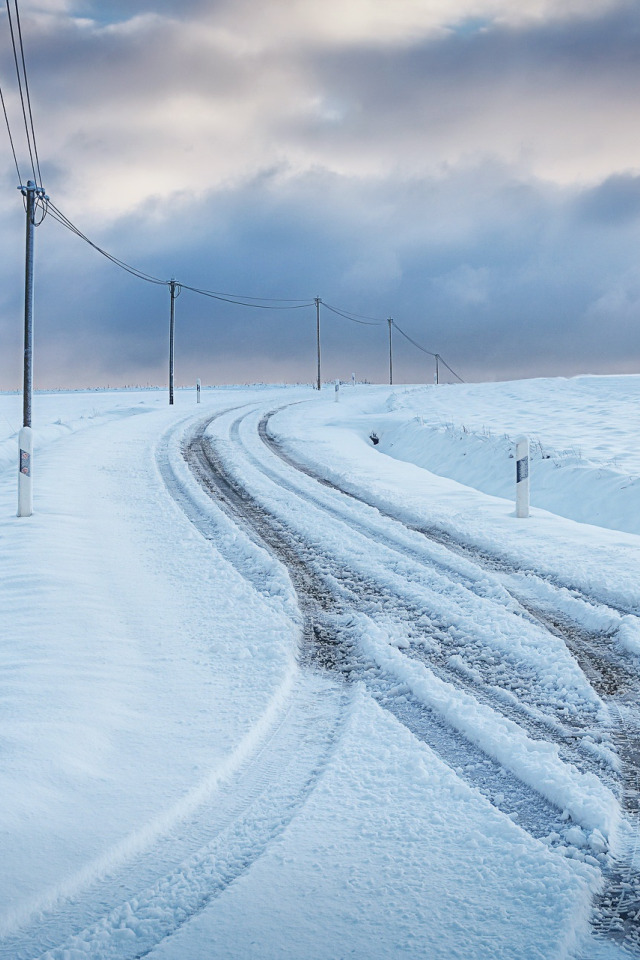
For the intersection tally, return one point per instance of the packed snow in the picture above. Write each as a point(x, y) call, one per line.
point(183, 777)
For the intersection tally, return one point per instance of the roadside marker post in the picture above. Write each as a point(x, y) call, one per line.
point(337, 396)
point(522, 477)
point(197, 391)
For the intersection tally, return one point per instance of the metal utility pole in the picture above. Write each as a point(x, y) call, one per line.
point(390, 322)
point(175, 293)
point(318, 302)
point(437, 368)
point(31, 193)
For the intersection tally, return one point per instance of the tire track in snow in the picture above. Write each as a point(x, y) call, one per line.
point(225, 839)
point(613, 675)
point(577, 741)
point(123, 906)
point(617, 909)
point(327, 616)
point(557, 609)
point(620, 669)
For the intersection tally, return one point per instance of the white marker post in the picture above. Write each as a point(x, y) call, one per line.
point(337, 396)
point(197, 391)
point(25, 493)
point(522, 477)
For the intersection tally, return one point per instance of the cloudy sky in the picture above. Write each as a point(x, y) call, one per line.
point(470, 168)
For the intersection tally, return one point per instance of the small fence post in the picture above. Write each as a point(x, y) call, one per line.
point(197, 391)
point(522, 477)
point(25, 494)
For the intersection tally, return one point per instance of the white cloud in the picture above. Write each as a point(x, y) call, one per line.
point(418, 150)
point(206, 98)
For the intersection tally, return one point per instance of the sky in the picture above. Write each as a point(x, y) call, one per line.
point(470, 168)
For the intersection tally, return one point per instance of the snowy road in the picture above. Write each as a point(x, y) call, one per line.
point(357, 574)
point(382, 739)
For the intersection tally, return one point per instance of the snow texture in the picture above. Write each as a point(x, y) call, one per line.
point(178, 781)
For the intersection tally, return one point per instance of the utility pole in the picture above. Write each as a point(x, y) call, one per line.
point(31, 193)
point(437, 369)
point(175, 293)
point(318, 302)
point(390, 322)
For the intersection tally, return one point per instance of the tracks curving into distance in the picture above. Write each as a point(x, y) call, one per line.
point(356, 571)
point(328, 589)
point(124, 907)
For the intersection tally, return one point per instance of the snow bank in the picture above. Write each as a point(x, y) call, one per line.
point(599, 561)
point(585, 463)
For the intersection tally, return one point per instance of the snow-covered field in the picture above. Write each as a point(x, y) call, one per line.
point(271, 691)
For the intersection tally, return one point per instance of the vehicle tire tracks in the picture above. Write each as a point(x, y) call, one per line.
point(328, 643)
point(614, 676)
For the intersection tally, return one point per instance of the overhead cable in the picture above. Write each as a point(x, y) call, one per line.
point(407, 337)
point(26, 87)
point(449, 369)
point(244, 296)
point(354, 317)
point(60, 218)
point(428, 352)
point(259, 303)
point(270, 303)
point(19, 77)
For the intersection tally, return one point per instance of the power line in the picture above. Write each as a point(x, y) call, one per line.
point(26, 87)
point(269, 304)
point(354, 317)
point(242, 296)
point(449, 369)
point(140, 274)
point(407, 337)
point(428, 352)
point(20, 90)
point(266, 303)
point(43, 202)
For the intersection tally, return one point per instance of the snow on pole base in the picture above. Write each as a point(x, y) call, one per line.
point(25, 495)
point(522, 477)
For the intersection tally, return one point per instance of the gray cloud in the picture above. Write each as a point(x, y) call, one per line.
point(474, 180)
point(517, 287)
point(615, 201)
